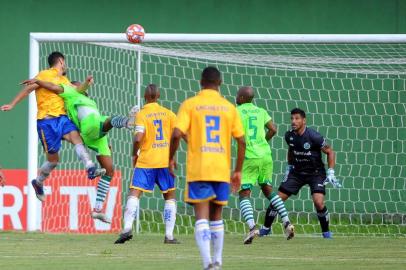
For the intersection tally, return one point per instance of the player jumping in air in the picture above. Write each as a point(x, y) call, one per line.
point(258, 163)
point(154, 126)
point(93, 128)
point(209, 121)
point(305, 167)
point(53, 125)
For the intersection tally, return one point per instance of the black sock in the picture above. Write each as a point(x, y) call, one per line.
point(270, 216)
point(323, 219)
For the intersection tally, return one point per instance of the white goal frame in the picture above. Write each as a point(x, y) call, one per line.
point(34, 207)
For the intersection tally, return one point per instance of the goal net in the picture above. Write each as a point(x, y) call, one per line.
point(354, 94)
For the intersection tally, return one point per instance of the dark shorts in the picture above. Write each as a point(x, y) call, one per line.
point(144, 179)
point(296, 181)
point(51, 132)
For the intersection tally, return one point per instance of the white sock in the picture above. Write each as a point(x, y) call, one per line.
point(44, 171)
point(217, 240)
point(83, 155)
point(170, 218)
point(202, 237)
point(130, 213)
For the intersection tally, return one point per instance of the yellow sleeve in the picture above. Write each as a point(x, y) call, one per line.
point(183, 118)
point(237, 129)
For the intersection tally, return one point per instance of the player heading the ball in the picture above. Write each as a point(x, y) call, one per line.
point(93, 126)
point(53, 125)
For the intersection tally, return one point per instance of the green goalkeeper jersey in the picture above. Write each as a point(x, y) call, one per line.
point(254, 120)
point(74, 99)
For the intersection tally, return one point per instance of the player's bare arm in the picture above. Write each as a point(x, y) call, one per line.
point(138, 137)
point(47, 85)
point(236, 177)
point(86, 84)
point(173, 147)
point(331, 155)
point(271, 130)
point(331, 160)
point(20, 96)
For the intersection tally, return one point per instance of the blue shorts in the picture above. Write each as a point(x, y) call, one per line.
point(201, 191)
point(51, 132)
point(144, 179)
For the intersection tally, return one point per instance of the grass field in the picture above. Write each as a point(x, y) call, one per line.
point(70, 251)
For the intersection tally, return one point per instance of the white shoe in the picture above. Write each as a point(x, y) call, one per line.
point(132, 116)
point(100, 216)
point(250, 236)
point(289, 230)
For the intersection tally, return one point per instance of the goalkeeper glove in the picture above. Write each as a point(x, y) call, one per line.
point(289, 168)
point(331, 178)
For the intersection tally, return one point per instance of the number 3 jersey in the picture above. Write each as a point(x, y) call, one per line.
point(254, 120)
point(157, 123)
point(210, 121)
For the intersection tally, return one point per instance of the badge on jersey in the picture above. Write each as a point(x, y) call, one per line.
point(306, 146)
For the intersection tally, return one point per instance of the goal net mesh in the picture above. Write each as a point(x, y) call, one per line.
point(354, 94)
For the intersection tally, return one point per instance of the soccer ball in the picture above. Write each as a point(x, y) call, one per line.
point(135, 33)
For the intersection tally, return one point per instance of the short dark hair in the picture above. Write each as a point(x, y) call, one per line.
point(54, 57)
point(211, 75)
point(298, 111)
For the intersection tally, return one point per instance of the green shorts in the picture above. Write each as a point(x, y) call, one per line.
point(91, 130)
point(258, 170)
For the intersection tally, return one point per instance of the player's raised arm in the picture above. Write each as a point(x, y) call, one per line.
point(20, 96)
point(48, 85)
point(87, 83)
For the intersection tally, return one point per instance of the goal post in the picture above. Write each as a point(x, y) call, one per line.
point(315, 72)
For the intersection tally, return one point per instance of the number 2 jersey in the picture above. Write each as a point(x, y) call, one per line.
point(210, 121)
point(157, 123)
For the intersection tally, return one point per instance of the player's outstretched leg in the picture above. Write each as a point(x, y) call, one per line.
point(248, 214)
point(131, 209)
point(82, 153)
point(322, 215)
point(103, 187)
point(278, 205)
point(44, 172)
point(119, 121)
point(170, 217)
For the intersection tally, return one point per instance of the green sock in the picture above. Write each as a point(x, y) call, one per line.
point(247, 212)
point(102, 189)
point(279, 205)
